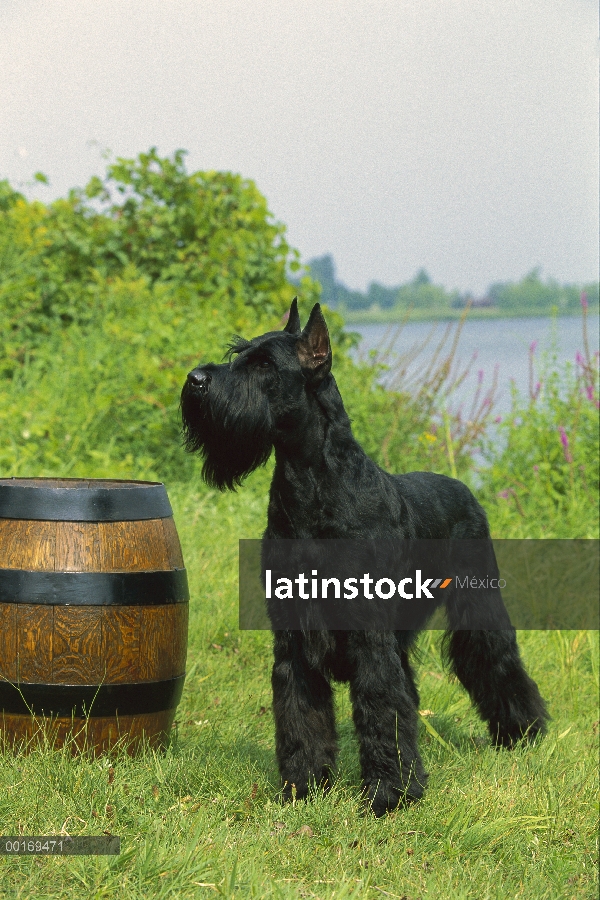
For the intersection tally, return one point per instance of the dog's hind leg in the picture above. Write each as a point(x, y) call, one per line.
point(305, 735)
point(482, 649)
point(489, 666)
point(385, 716)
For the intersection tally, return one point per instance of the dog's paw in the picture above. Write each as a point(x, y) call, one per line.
point(300, 789)
point(292, 791)
point(383, 796)
point(507, 737)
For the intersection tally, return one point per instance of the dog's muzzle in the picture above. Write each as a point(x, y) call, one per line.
point(199, 380)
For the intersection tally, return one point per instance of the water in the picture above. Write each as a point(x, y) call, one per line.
point(502, 344)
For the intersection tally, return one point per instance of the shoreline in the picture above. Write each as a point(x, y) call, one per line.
point(399, 317)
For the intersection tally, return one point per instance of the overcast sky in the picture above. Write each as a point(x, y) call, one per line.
point(458, 135)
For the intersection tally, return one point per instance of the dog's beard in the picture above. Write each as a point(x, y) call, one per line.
point(233, 434)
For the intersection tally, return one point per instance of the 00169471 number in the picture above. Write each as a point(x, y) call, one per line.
point(80, 845)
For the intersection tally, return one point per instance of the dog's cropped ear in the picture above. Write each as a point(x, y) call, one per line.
point(314, 349)
point(293, 326)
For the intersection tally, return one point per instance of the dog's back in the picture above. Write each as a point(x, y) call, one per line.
point(440, 507)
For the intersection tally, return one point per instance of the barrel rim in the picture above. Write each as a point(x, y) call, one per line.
point(83, 500)
point(71, 483)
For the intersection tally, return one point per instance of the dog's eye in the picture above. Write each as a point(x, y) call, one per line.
point(264, 363)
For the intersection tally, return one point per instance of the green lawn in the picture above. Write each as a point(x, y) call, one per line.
point(203, 819)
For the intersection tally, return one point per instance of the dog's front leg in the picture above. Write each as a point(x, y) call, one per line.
point(305, 735)
point(385, 717)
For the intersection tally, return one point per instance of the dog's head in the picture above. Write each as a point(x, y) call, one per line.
point(235, 412)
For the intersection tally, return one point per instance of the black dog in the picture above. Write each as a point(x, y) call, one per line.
point(277, 391)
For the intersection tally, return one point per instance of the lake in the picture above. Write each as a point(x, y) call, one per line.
point(500, 343)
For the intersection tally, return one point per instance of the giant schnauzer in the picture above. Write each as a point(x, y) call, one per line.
point(277, 391)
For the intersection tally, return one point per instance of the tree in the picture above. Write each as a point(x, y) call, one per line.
point(322, 269)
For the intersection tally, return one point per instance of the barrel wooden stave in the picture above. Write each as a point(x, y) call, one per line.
point(75, 645)
point(135, 546)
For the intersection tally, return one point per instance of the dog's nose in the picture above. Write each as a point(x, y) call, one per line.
point(199, 379)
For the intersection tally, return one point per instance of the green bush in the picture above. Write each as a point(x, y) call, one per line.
point(103, 399)
point(208, 236)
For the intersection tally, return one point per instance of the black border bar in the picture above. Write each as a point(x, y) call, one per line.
point(156, 588)
point(92, 700)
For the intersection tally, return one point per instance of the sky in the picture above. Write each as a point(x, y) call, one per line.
point(456, 135)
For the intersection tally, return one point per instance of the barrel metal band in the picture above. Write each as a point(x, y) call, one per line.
point(94, 588)
point(85, 504)
point(92, 700)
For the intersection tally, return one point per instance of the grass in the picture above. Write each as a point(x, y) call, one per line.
point(203, 818)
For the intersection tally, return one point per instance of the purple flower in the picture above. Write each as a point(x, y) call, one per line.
point(536, 391)
point(532, 347)
point(589, 392)
point(584, 302)
point(504, 494)
point(480, 376)
point(498, 419)
point(536, 469)
point(580, 360)
point(565, 442)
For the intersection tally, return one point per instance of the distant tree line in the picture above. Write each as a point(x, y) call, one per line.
point(421, 294)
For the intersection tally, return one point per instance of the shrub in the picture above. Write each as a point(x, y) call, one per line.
point(208, 236)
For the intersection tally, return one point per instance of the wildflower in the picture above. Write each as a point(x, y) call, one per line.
point(536, 391)
point(584, 301)
point(589, 392)
point(532, 347)
point(565, 443)
point(504, 494)
point(498, 419)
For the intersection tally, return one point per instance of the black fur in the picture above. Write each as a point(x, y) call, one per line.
point(277, 391)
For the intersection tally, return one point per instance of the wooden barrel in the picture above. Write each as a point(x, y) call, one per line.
point(93, 612)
